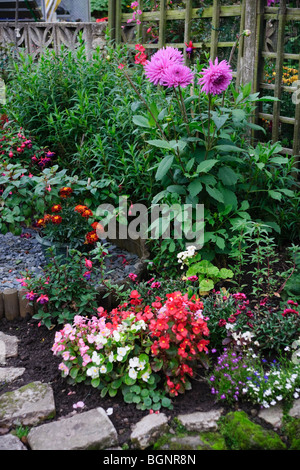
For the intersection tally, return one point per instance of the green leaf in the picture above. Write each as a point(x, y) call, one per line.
point(205, 166)
point(141, 121)
point(206, 285)
point(275, 195)
point(226, 273)
point(164, 167)
point(215, 194)
point(227, 176)
point(162, 144)
point(228, 148)
point(95, 382)
point(195, 187)
point(220, 120)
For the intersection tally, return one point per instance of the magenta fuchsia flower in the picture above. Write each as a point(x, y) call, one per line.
point(177, 75)
point(216, 78)
point(43, 299)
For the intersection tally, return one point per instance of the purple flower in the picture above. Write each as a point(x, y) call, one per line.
point(177, 75)
point(31, 295)
point(216, 78)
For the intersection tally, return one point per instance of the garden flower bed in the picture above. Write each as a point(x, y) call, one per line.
point(202, 326)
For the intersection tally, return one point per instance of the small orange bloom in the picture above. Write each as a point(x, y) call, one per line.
point(65, 191)
point(91, 237)
point(80, 208)
point(87, 213)
point(56, 208)
point(56, 219)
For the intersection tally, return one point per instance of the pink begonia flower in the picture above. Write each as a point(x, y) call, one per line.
point(79, 404)
point(132, 276)
point(216, 78)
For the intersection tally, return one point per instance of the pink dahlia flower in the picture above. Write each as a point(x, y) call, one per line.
point(177, 75)
point(160, 61)
point(216, 78)
point(169, 53)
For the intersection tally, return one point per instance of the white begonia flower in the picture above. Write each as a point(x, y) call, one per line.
point(141, 365)
point(93, 372)
point(111, 357)
point(116, 335)
point(145, 376)
point(132, 374)
point(296, 395)
point(103, 369)
point(134, 362)
point(96, 359)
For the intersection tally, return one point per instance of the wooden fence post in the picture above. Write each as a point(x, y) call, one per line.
point(215, 24)
point(254, 10)
point(162, 24)
point(279, 69)
point(112, 19)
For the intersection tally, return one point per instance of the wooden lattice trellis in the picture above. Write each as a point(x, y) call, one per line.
point(254, 15)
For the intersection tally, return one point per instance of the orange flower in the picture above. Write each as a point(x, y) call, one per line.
point(56, 208)
point(91, 237)
point(80, 209)
point(65, 191)
point(87, 213)
point(47, 218)
point(41, 223)
point(56, 219)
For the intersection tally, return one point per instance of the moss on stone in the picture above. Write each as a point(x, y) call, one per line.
point(240, 433)
point(292, 431)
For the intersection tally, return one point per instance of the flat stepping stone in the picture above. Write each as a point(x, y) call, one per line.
point(201, 421)
point(8, 347)
point(9, 374)
point(148, 430)
point(272, 415)
point(90, 430)
point(11, 442)
point(29, 405)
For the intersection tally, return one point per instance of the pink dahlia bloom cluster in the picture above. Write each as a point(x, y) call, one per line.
point(216, 78)
point(166, 68)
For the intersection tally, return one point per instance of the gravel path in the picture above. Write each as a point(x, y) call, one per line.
point(19, 253)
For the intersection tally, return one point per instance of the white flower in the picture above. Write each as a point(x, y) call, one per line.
point(111, 357)
point(103, 369)
point(93, 372)
point(141, 365)
point(96, 359)
point(296, 395)
point(109, 411)
point(146, 376)
point(134, 362)
point(132, 373)
point(116, 335)
point(279, 398)
point(122, 351)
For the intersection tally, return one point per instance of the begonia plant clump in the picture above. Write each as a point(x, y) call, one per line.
point(137, 344)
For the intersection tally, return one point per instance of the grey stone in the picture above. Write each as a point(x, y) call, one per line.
point(201, 421)
point(8, 347)
point(90, 430)
point(272, 415)
point(9, 374)
point(295, 410)
point(11, 442)
point(148, 430)
point(29, 405)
